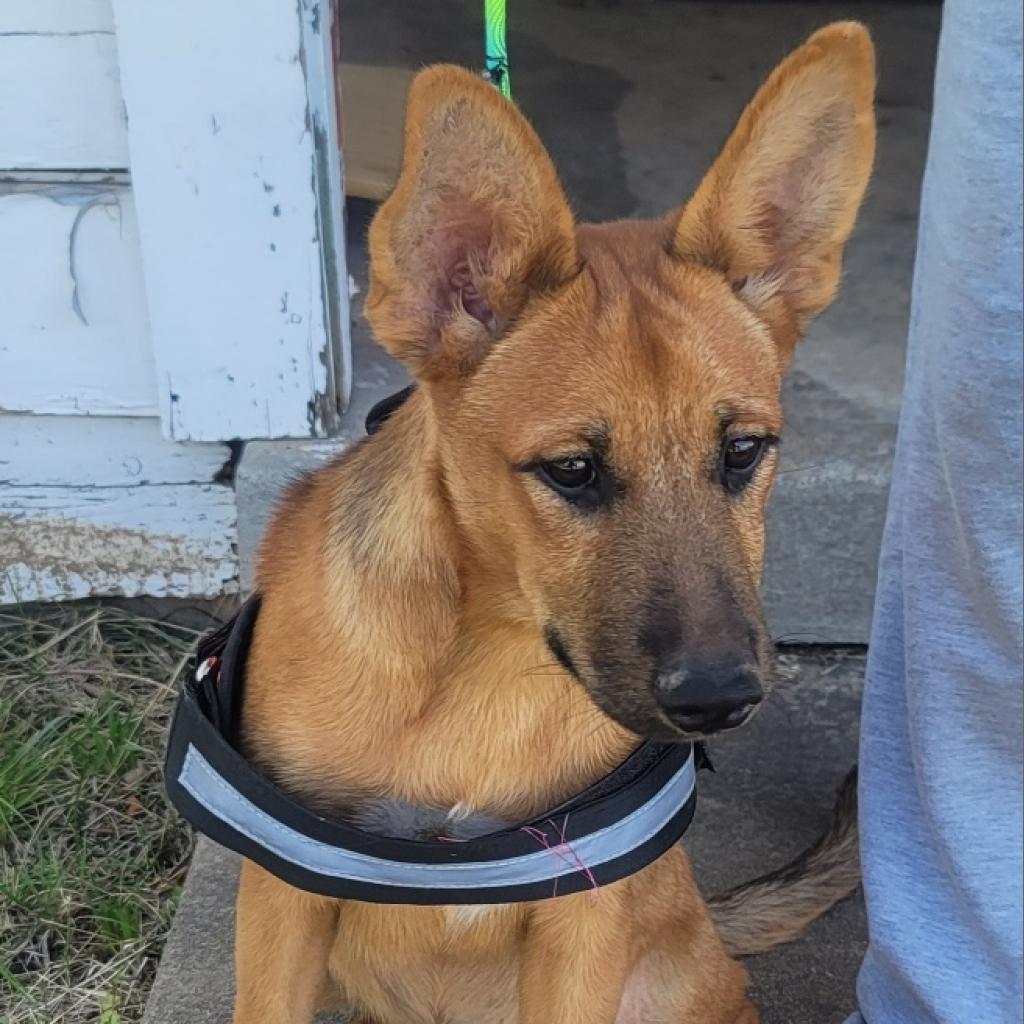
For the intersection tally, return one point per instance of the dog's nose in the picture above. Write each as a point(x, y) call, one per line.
point(702, 696)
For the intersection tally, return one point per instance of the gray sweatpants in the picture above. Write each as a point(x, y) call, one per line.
point(941, 747)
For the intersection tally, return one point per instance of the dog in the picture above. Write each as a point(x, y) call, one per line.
point(549, 552)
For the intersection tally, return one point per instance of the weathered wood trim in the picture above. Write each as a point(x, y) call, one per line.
point(107, 507)
point(321, 47)
point(246, 319)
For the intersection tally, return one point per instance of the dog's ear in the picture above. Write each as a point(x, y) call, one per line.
point(476, 224)
point(778, 205)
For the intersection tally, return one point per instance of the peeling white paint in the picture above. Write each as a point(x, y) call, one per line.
point(107, 507)
point(74, 329)
point(239, 326)
point(61, 549)
point(224, 173)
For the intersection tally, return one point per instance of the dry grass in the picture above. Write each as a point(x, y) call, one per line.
point(91, 858)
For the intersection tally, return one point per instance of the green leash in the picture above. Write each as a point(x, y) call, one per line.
point(495, 47)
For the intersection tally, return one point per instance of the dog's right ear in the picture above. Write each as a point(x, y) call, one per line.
point(778, 205)
point(476, 224)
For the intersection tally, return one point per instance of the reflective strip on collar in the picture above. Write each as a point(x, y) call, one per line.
point(591, 851)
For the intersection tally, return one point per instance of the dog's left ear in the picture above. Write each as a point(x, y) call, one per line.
point(476, 225)
point(779, 203)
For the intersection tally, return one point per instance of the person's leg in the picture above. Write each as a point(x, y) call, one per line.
point(941, 740)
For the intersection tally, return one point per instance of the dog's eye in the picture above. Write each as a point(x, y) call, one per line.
point(740, 457)
point(569, 476)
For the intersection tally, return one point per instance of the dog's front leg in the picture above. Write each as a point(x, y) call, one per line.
point(283, 940)
point(576, 959)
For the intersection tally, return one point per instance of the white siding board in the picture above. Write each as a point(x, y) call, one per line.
point(224, 172)
point(93, 508)
point(58, 451)
point(74, 328)
point(56, 17)
point(60, 95)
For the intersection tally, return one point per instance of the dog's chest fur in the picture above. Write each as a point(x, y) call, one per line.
point(399, 819)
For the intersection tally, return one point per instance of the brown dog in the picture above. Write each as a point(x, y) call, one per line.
point(552, 549)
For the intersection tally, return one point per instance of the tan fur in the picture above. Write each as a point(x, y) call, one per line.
point(776, 908)
point(400, 649)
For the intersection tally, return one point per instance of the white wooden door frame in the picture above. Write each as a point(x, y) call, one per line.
point(236, 171)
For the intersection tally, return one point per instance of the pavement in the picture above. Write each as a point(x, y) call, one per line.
point(769, 798)
point(633, 98)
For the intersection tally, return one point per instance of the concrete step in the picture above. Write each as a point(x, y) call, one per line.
point(769, 798)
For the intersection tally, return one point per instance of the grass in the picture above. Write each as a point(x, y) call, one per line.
point(92, 860)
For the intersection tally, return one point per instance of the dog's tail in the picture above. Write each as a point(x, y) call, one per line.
point(777, 907)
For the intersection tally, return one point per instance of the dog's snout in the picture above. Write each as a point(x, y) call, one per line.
point(701, 696)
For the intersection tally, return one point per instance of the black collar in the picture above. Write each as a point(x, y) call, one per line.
point(611, 830)
point(381, 412)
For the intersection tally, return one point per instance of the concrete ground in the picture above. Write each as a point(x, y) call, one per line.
point(633, 98)
point(769, 798)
